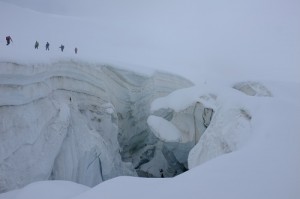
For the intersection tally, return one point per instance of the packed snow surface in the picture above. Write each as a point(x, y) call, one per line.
point(47, 190)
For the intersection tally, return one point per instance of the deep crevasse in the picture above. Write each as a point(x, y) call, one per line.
point(75, 121)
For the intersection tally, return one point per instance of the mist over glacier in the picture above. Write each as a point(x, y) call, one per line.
point(232, 39)
point(165, 99)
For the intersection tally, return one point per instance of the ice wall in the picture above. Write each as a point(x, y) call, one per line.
point(76, 121)
point(179, 129)
point(200, 123)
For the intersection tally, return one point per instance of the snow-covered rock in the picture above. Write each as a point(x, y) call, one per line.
point(74, 121)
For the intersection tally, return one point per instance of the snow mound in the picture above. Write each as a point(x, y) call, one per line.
point(47, 190)
point(253, 89)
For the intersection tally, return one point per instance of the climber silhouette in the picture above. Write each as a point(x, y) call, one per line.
point(47, 46)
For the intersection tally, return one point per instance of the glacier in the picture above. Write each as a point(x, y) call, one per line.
point(88, 123)
point(79, 122)
point(72, 117)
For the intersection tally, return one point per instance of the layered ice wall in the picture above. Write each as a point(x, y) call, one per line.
point(76, 121)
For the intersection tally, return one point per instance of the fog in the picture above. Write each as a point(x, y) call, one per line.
point(233, 37)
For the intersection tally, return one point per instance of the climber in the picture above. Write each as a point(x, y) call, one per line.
point(47, 46)
point(36, 45)
point(8, 40)
point(62, 48)
point(76, 50)
point(161, 173)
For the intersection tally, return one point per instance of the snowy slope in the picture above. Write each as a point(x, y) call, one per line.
point(215, 40)
point(47, 189)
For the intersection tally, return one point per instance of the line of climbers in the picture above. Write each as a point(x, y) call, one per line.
point(36, 45)
point(62, 47)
